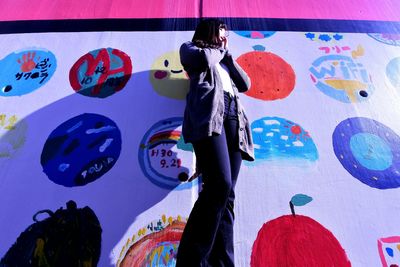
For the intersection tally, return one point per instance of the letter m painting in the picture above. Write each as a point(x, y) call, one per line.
point(101, 73)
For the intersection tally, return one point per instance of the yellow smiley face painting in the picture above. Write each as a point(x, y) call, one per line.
point(168, 76)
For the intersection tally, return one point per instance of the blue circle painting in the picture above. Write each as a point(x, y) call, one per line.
point(164, 157)
point(278, 138)
point(81, 150)
point(369, 151)
point(386, 38)
point(393, 72)
point(342, 78)
point(255, 34)
point(25, 71)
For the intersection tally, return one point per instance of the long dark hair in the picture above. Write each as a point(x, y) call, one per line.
point(207, 33)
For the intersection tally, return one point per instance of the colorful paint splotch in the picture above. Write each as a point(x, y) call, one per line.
point(386, 38)
point(163, 155)
point(255, 34)
point(393, 72)
point(271, 76)
point(168, 77)
point(12, 134)
point(280, 139)
point(26, 71)
point(101, 73)
point(296, 241)
point(389, 251)
point(342, 77)
point(81, 150)
point(369, 151)
point(154, 245)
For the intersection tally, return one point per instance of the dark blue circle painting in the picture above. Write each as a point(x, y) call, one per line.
point(81, 150)
point(368, 150)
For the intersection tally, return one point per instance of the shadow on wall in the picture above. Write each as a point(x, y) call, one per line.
point(85, 149)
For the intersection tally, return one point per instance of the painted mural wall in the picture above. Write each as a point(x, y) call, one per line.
point(93, 167)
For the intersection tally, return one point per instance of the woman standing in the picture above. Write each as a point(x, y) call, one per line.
point(216, 124)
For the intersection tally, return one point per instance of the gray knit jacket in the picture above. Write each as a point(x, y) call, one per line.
point(205, 101)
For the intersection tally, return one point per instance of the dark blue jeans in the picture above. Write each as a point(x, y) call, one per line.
point(208, 236)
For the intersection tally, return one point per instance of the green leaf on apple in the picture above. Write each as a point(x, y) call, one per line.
point(300, 200)
point(259, 48)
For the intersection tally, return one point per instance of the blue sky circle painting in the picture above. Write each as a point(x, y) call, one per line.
point(369, 151)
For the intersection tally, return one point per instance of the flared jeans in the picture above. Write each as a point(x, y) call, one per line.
point(208, 236)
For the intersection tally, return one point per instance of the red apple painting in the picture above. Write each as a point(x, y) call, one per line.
point(297, 241)
point(271, 76)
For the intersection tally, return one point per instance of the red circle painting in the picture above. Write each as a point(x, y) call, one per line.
point(271, 76)
point(297, 240)
point(101, 73)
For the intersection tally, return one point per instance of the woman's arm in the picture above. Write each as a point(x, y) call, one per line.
point(238, 75)
point(193, 57)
